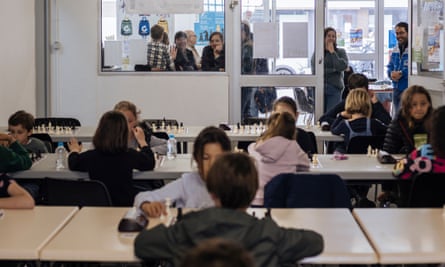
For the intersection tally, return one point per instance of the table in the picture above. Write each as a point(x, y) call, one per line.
point(25, 232)
point(86, 133)
point(356, 167)
point(408, 236)
point(92, 236)
point(345, 243)
point(46, 167)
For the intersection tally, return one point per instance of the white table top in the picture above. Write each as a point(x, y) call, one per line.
point(46, 167)
point(188, 134)
point(409, 236)
point(92, 236)
point(25, 232)
point(356, 167)
point(345, 243)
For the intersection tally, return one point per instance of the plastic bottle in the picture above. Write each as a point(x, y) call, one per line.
point(60, 156)
point(171, 147)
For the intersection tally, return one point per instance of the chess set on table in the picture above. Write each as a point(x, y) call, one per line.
point(57, 129)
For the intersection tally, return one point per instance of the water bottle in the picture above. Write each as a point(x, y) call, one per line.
point(171, 147)
point(60, 156)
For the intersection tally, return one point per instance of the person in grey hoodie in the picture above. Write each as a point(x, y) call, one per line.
point(277, 152)
point(232, 182)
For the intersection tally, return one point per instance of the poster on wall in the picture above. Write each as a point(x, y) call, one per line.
point(208, 22)
point(356, 37)
point(164, 6)
point(295, 33)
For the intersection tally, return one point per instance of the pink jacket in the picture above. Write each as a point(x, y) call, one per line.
point(274, 156)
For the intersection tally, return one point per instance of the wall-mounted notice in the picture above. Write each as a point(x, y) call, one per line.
point(164, 6)
point(295, 43)
point(113, 53)
point(265, 38)
point(137, 52)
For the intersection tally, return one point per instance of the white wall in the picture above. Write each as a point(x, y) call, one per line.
point(17, 57)
point(79, 91)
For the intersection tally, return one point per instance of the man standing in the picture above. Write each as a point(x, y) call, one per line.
point(398, 64)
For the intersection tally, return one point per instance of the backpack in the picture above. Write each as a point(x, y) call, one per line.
point(264, 98)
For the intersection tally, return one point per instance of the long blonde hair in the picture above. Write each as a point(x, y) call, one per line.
point(280, 124)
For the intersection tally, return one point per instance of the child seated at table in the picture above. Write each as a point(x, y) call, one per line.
point(428, 157)
point(218, 252)
point(276, 151)
point(111, 161)
point(20, 125)
point(232, 182)
point(13, 157)
point(359, 123)
point(189, 191)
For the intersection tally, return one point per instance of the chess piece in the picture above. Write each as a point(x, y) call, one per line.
point(315, 160)
point(369, 151)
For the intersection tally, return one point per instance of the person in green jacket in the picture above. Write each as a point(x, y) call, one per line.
point(13, 156)
point(232, 182)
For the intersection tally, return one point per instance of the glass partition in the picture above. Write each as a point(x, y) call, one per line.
point(427, 34)
point(126, 33)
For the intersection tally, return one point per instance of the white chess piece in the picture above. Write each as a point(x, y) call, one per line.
point(369, 151)
point(315, 160)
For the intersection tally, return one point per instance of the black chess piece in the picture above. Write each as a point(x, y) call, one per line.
point(268, 213)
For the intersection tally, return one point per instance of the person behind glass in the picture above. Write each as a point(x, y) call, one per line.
point(232, 182)
point(213, 55)
point(189, 191)
point(20, 125)
point(191, 42)
point(335, 63)
point(356, 80)
point(111, 161)
point(406, 132)
point(287, 104)
point(428, 158)
point(248, 108)
point(218, 252)
point(276, 151)
point(158, 53)
point(131, 112)
point(183, 57)
point(356, 119)
point(397, 68)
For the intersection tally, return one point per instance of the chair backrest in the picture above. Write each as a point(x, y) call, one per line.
point(290, 190)
point(162, 135)
point(58, 121)
point(313, 142)
point(46, 139)
point(427, 191)
point(359, 144)
point(75, 193)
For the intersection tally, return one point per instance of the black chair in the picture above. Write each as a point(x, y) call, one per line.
point(46, 139)
point(359, 144)
point(291, 190)
point(58, 121)
point(61, 192)
point(427, 191)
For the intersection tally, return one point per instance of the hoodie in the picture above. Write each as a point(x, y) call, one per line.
point(269, 244)
point(274, 156)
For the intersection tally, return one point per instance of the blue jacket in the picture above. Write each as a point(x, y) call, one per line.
point(397, 63)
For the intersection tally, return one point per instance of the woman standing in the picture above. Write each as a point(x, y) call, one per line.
point(335, 63)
